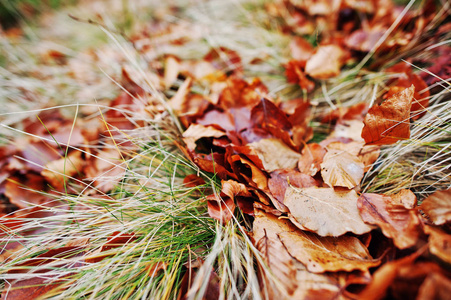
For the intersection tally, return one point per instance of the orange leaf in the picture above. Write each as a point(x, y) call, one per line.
point(389, 122)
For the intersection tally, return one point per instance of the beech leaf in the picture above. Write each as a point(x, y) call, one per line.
point(339, 168)
point(196, 132)
point(325, 63)
point(439, 243)
point(321, 254)
point(325, 211)
point(393, 217)
point(275, 155)
point(438, 207)
point(389, 122)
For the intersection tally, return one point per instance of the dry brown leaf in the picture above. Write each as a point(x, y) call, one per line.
point(389, 122)
point(232, 188)
point(258, 178)
point(384, 276)
point(58, 172)
point(435, 286)
point(281, 267)
point(275, 155)
point(339, 168)
point(438, 207)
point(311, 159)
point(439, 243)
point(106, 169)
point(321, 254)
point(325, 63)
point(325, 211)
point(318, 254)
point(221, 208)
point(369, 155)
point(196, 132)
point(300, 48)
point(351, 129)
point(176, 102)
point(388, 212)
point(171, 71)
point(25, 191)
point(280, 180)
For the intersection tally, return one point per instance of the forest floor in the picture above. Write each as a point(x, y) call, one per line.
point(247, 149)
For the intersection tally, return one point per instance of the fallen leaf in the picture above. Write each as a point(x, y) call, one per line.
point(32, 288)
point(325, 211)
point(351, 129)
point(389, 122)
point(300, 48)
point(177, 101)
point(311, 159)
point(385, 275)
point(339, 168)
point(232, 189)
point(395, 220)
point(59, 172)
point(197, 131)
point(435, 286)
point(317, 254)
point(221, 207)
point(281, 278)
point(267, 115)
point(239, 93)
point(439, 243)
point(321, 254)
point(24, 191)
point(266, 150)
point(438, 207)
point(243, 166)
point(171, 70)
point(295, 74)
point(325, 63)
point(281, 179)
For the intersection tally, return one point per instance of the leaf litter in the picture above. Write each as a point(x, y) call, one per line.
point(298, 197)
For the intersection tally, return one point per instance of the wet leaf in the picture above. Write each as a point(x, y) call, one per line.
point(325, 211)
point(339, 168)
point(389, 122)
point(396, 221)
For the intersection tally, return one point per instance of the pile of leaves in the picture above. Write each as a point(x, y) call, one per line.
point(291, 173)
